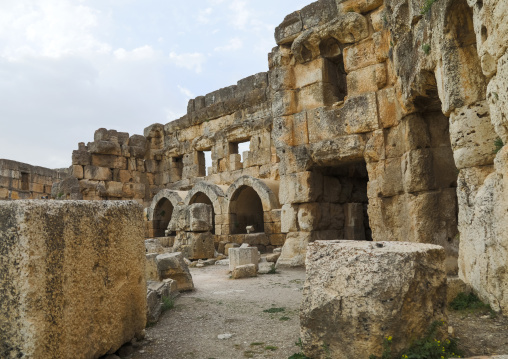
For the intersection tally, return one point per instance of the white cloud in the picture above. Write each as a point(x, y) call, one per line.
point(241, 15)
point(141, 53)
point(204, 15)
point(191, 61)
point(186, 92)
point(233, 44)
point(51, 28)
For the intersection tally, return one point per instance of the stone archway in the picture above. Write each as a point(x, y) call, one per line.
point(161, 210)
point(212, 194)
point(252, 200)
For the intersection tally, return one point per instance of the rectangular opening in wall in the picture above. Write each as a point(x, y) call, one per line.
point(204, 162)
point(25, 181)
point(176, 168)
point(239, 148)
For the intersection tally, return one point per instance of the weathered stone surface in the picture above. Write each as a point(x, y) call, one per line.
point(196, 217)
point(294, 250)
point(244, 271)
point(242, 256)
point(375, 290)
point(172, 265)
point(266, 267)
point(76, 251)
point(195, 245)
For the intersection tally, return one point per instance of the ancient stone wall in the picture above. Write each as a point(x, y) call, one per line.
point(23, 181)
point(376, 120)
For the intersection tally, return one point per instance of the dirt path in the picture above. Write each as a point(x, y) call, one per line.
point(220, 305)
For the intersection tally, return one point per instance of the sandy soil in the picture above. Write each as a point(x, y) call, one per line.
point(220, 305)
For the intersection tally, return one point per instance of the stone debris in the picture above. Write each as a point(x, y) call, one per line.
point(225, 336)
point(173, 266)
point(244, 271)
point(266, 267)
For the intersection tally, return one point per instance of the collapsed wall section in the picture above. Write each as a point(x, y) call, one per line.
point(72, 278)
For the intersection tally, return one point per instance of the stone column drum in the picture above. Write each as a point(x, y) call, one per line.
point(357, 293)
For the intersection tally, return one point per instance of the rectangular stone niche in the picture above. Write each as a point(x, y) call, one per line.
point(72, 282)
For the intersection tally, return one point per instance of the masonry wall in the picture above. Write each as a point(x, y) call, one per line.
point(376, 120)
point(23, 181)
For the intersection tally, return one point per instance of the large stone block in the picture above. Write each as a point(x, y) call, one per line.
point(195, 245)
point(300, 187)
point(172, 265)
point(294, 250)
point(196, 217)
point(66, 291)
point(242, 256)
point(358, 293)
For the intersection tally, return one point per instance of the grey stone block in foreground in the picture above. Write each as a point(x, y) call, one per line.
point(72, 281)
point(358, 293)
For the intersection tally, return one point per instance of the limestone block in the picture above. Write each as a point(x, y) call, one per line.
point(105, 148)
point(63, 272)
point(309, 216)
point(289, 221)
point(244, 271)
point(284, 103)
point(256, 238)
point(151, 267)
point(318, 13)
point(113, 189)
point(360, 55)
point(390, 111)
point(375, 290)
point(172, 265)
point(368, 79)
point(294, 250)
point(241, 256)
point(81, 158)
point(277, 239)
point(497, 95)
point(361, 6)
point(98, 173)
point(266, 267)
point(339, 150)
point(377, 19)
point(417, 171)
point(316, 95)
point(228, 246)
point(195, 245)
point(109, 161)
point(196, 217)
point(289, 29)
point(301, 187)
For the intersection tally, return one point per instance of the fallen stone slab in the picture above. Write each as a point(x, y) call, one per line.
point(244, 271)
point(266, 267)
point(173, 266)
point(356, 294)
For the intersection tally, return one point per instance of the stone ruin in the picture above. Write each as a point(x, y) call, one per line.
point(376, 121)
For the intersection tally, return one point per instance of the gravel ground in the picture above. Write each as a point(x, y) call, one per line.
point(220, 305)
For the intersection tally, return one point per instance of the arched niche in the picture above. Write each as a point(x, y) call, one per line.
point(161, 210)
point(249, 199)
point(208, 193)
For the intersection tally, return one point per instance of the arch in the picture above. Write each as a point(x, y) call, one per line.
point(249, 199)
point(267, 190)
point(161, 210)
point(208, 193)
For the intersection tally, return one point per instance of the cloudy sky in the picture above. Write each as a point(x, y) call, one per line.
point(69, 67)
